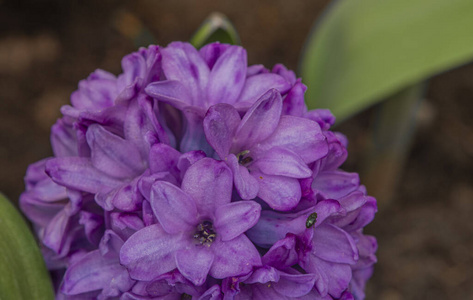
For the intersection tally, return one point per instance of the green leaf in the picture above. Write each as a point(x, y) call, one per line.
point(364, 50)
point(216, 28)
point(22, 269)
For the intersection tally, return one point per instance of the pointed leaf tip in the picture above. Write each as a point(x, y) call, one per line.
point(216, 28)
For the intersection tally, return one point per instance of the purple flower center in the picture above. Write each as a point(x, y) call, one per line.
point(243, 158)
point(205, 233)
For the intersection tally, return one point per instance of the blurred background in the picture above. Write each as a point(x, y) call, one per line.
point(425, 232)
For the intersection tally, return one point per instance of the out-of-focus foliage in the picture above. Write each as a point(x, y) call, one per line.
point(362, 51)
point(216, 28)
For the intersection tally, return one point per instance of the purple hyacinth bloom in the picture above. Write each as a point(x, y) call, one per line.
point(200, 230)
point(196, 80)
point(267, 152)
point(193, 175)
point(215, 74)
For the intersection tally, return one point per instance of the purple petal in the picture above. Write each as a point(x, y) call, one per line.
point(194, 135)
point(256, 69)
point(263, 292)
point(259, 122)
point(367, 246)
point(282, 162)
point(93, 226)
point(141, 127)
point(63, 139)
point(337, 152)
point(334, 244)
point(112, 154)
point(170, 91)
point(300, 135)
point(227, 76)
point(146, 182)
point(220, 124)
point(289, 75)
point(110, 245)
point(125, 197)
point(195, 263)
point(336, 184)
point(148, 216)
point(35, 173)
point(163, 158)
point(364, 215)
point(263, 275)
point(233, 219)
point(322, 116)
point(92, 272)
point(295, 285)
point(211, 52)
point(130, 91)
point(78, 173)
point(57, 235)
point(96, 92)
point(353, 200)
point(125, 224)
point(294, 103)
point(282, 254)
point(150, 252)
point(46, 190)
point(234, 258)
point(333, 278)
point(281, 193)
point(209, 183)
point(154, 123)
point(111, 118)
point(175, 210)
point(38, 211)
point(246, 185)
point(133, 66)
point(353, 204)
point(255, 86)
point(166, 285)
point(188, 159)
point(213, 293)
point(183, 63)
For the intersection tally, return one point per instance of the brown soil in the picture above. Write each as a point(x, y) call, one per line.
point(425, 234)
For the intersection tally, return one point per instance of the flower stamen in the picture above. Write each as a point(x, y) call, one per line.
point(205, 234)
point(243, 159)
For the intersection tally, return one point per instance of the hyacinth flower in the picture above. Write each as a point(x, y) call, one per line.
point(192, 175)
point(200, 231)
point(196, 80)
point(266, 151)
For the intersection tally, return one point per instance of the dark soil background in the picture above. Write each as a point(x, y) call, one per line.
point(425, 233)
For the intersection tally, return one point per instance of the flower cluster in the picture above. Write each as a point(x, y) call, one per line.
point(192, 175)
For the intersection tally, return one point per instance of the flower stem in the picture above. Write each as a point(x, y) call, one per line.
point(392, 135)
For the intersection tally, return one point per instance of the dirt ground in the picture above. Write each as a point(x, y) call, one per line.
point(425, 233)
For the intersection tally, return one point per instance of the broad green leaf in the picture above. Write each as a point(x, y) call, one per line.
point(364, 50)
point(22, 269)
point(216, 28)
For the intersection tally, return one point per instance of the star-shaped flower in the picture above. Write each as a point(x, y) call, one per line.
point(200, 230)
